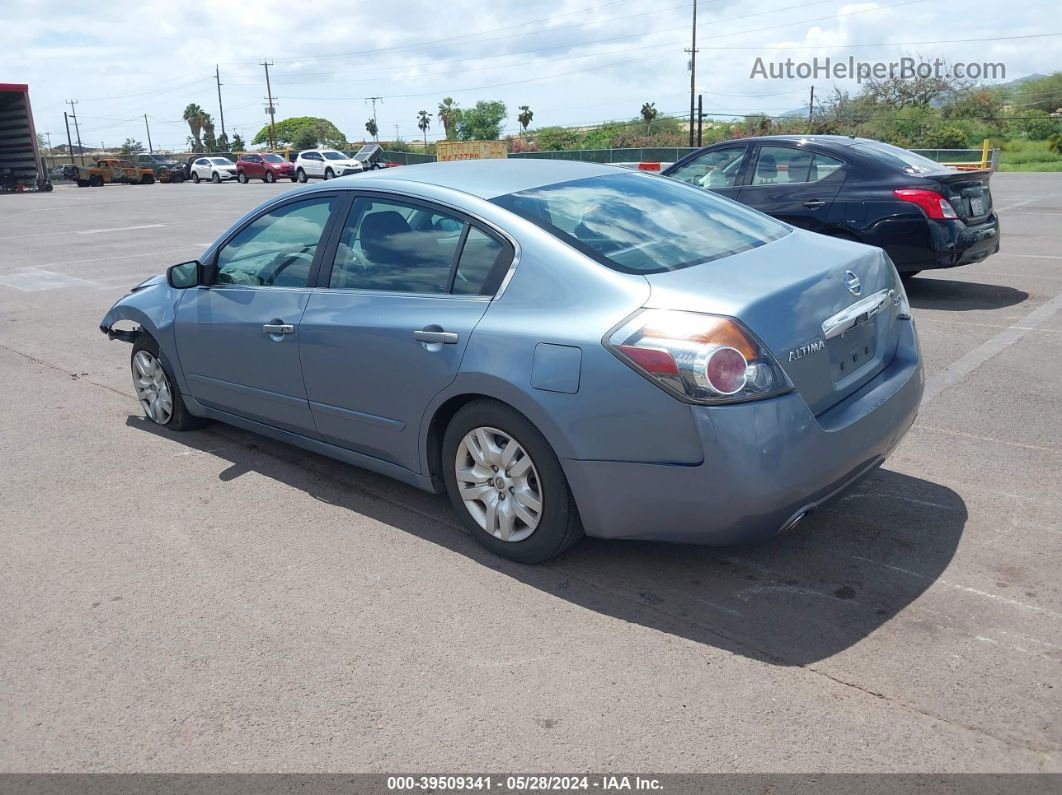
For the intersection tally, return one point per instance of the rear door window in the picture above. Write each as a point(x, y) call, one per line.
point(785, 165)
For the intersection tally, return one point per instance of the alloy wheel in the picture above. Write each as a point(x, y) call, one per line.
point(152, 387)
point(499, 484)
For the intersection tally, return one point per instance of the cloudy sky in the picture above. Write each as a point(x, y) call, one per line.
point(572, 61)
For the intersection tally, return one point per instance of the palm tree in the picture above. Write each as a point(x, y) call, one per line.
point(448, 113)
point(649, 113)
point(424, 122)
point(370, 125)
point(194, 115)
point(525, 117)
point(209, 141)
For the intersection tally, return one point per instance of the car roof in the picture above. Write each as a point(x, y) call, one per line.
point(490, 178)
point(835, 140)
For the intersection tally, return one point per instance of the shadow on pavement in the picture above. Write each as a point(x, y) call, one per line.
point(955, 296)
point(839, 576)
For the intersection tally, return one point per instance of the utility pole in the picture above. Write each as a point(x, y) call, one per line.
point(811, 106)
point(73, 112)
point(217, 76)
point(700, 117)
point(396, 132)
point(69, 143)
point(374, 100)
point(151, 149)
point(269, 99)
point(693, 67)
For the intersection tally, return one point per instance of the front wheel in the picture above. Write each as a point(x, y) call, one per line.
point(300, 175)
point(82, 183)
point(157, 391)
point(195, 177)
point(241, 177)
point(96, 181)
point(215, 178)
point(270, 177)
point(506, 484)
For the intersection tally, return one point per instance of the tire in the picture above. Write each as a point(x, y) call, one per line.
point(96, 181)
point(241, 177)
point(269, 177)
point(82, 183)
point(294, 178)
point(147, 179)
point(329, 174)
point(542, 480)
point(149, 375)
point(215, 178)
point(907, 275)
point(195, 177)
point(300, 175)
point(178, 178)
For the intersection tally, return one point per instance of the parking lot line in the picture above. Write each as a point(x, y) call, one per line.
point(119, 229)
point(966, 364)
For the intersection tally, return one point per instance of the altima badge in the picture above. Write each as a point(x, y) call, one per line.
point(851, 281)
point(807, 350)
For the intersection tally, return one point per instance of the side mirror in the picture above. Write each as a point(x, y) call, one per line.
point(184, 275)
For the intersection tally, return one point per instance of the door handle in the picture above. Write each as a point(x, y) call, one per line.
point(278, 328)
point(445, 337)
point(814, 204)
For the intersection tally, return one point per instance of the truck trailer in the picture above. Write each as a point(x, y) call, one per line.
point(20, 157)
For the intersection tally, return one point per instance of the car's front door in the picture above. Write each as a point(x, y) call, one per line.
point(385, 330)
point(794, 184)
point(202, 168)
point(719, 169)
point(238, 338)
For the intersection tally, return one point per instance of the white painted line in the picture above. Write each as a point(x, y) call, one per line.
point(991, 439)
point(950, 322)
point(1016, 205)
point(966, 364)
point(35, 280)
point(1033, 256)
point(119, 229)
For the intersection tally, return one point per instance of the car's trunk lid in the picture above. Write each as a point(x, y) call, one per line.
point(784, 292)
point(968, 192)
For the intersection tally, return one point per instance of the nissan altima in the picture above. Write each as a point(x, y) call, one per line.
point(563, 348)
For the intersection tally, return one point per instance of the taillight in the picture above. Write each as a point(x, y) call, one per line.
point(696, 357)
point(935, 206)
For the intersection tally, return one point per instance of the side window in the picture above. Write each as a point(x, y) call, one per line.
point(478, 258)
point(783, 165)
point(395, 247)
point(719, 168)
point(201, 162)
point(276, 249)
point(824, 167)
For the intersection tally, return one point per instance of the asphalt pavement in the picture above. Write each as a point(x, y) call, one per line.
point(216, 601)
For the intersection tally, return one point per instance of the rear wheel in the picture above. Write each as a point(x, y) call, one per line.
point(241, 177)
point(96, 181)
point(329, 173)
point(147, 179)
point(82, 183)
point(300, 175)
point(157, 391)
point(270, 177)
point(506, 484)
point(195, 177)
point(215, 178)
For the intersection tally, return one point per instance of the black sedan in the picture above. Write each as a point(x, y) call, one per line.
point(923, 214)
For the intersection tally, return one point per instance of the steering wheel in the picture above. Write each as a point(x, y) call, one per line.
point(284, 261)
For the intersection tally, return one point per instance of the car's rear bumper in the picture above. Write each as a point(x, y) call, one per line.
point(765, 464)
point(926, 244)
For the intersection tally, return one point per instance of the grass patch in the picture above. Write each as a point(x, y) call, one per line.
point(1022, 155)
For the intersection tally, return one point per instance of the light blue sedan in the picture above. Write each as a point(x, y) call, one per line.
point(564, 348)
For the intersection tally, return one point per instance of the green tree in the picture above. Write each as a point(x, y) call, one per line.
point(1044, 94)
point(372, 129)
point(525, 117)
point(131, 147)
point(306, 138)
point(424, 122)
point(448, 115)
point(223, 143)
point(195, 115)
point(210, 143)
point(481, 122)
point(648, 114)
point(237, 143)
point(1037, 125)
point(1054, 144)
point(327, 133)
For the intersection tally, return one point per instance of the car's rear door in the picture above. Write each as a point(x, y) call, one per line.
point(794, 184)
point(719, 169)
point(252, 166)
point(238, 339)
point(387, 326)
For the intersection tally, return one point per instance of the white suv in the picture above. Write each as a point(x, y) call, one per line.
point(325, 164)
point(215, 169)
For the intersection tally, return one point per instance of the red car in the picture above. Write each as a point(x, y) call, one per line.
point(265, 166)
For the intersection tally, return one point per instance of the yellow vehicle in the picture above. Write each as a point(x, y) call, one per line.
point(110, 169)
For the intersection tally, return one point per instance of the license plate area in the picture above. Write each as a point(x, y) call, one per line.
point(977, 205)
point(852, 351)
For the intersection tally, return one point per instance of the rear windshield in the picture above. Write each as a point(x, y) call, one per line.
point(638, 223)
point(899, 158)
